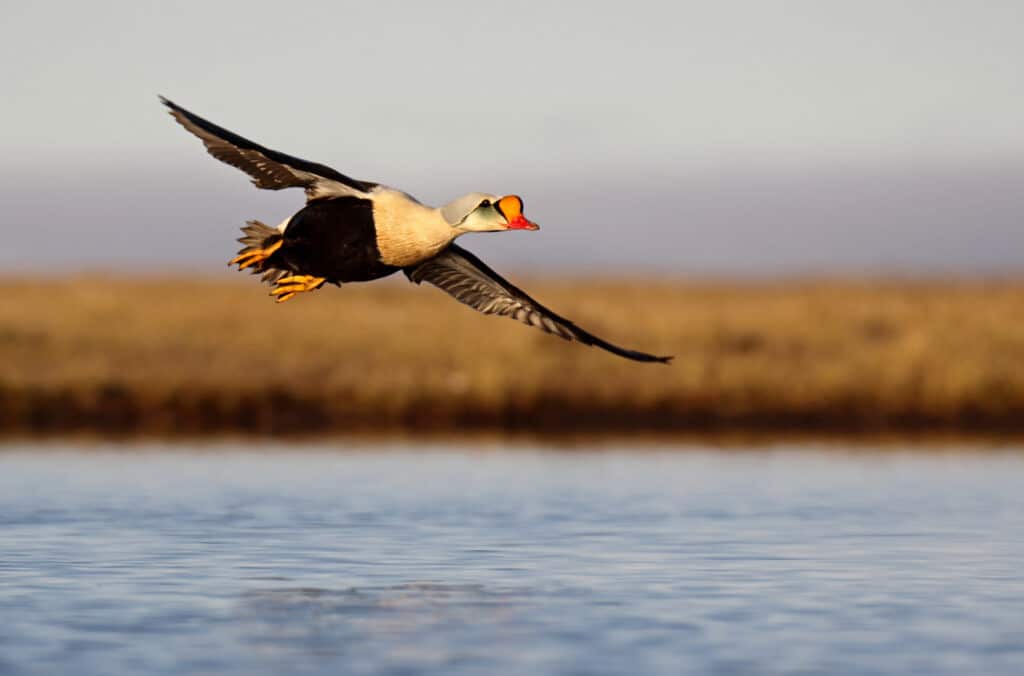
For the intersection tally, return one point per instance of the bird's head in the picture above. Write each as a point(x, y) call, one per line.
point(480, 212)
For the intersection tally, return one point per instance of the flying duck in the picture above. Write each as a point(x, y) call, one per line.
point(356, 231)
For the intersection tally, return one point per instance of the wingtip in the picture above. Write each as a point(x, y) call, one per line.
point(643, 357)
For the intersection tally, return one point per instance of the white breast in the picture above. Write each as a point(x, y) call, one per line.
point(407, 231)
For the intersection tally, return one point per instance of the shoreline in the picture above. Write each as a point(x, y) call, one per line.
point(114, 411)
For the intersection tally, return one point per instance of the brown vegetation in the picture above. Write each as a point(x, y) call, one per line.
point(184, 356)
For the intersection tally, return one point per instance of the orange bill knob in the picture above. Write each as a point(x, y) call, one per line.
point(511, 207)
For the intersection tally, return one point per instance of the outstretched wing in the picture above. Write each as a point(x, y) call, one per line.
point(469, 280)
point(269, 169)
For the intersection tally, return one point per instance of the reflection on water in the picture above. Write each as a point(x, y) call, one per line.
point(415, 617)
point(287, 560)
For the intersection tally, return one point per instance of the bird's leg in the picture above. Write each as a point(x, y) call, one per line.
point(293, 284)
point(255, 256)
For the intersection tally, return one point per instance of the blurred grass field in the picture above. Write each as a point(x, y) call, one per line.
point(170, 356)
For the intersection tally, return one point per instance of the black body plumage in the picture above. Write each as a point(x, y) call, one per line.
point(334, 239)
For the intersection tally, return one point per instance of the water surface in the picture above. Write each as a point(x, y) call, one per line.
point(389, 560)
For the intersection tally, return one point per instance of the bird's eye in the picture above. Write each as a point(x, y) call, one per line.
point(485, 204)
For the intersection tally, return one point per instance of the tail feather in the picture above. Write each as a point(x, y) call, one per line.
point(272, 275)
point(257, 236)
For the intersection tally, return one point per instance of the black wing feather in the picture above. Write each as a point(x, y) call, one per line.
point(268, 168)
point(471, 281)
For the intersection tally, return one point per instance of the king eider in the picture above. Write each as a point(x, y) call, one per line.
point(357, 231)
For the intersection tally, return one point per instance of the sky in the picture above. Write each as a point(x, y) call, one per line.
point(757, 138)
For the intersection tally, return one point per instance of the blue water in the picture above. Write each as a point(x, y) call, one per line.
point(355, 559)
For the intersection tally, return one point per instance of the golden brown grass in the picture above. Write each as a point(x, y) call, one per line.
point(176, 355)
